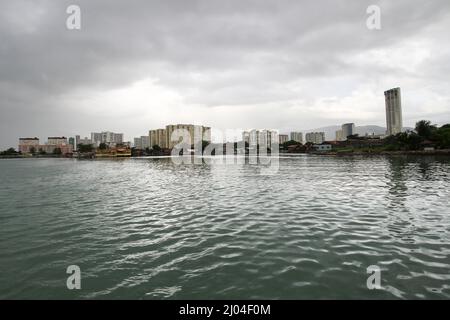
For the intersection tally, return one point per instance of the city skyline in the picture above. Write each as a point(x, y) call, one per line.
point(308, 66)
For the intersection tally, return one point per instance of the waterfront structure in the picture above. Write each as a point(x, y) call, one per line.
point(297, 137)
point(315, 137)
point(348, 129)
point(283, 138)
point(27, 145)
point(393, 101)
point(57, 140)
point(109, 138)
point(339, 135)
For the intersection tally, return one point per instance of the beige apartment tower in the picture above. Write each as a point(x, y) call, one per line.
point(394, 120)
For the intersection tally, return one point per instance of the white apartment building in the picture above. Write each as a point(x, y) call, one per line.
point(315, 137)
point(394, 120)
point(297, 136)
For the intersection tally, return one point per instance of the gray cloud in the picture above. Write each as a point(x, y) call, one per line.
point(280, 64)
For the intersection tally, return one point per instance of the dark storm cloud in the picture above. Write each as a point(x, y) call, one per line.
point(212, 53)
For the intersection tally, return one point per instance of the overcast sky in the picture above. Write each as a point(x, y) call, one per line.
point(137, 65)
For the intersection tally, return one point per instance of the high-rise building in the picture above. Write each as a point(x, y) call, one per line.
point(145, 142)
point(72, 142)
point(315, 137)
point(394, 121)
point(158, 137)
point(297, 137)
point(339, 135)
point(194, 133)
point(138, 143)
point(110, 138)
point(246, 137)
point(282, 138)
point(348, 129)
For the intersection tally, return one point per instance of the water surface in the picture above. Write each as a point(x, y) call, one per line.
point(149, 229)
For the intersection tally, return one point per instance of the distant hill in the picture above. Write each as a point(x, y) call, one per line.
point(330, 131)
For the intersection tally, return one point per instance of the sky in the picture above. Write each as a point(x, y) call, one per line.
point(280, 64)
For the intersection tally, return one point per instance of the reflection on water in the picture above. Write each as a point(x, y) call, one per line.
point(147, 228)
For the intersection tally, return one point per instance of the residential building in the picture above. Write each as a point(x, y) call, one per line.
point(315, 137)
point(283, 138)
point(158, 137)
point(246, 137)
point(110, 138)
point(297, 137)
point(348, 129)
point(393, 101)
point(142, 142)
point(194, 133)
point(138, 143)
point(72, 142)
point(339, 135)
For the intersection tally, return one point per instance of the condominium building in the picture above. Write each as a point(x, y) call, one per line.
point(246, 137)
point(110, 138)
point(194, 133)
point(283, 138)
point(158, 137)
point(263, 137)
point(142, 142)
point(315, 137)
point(339, 135)
point(348, 129)
point(393, 101)
point(165, 138)
point(297, 136)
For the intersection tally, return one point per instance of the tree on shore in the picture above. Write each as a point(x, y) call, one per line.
point(84, 148)
point(57, 151)
point(103, 146)
point(156, 148)
point(9, 152)
point(425, 129)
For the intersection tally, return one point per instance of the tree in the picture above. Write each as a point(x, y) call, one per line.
point(425, 129)
point(103, 146)
point(156, 148)
point(57, 151)
point(8, 152)
point(443, 136)
point(42, 151)
point(32, 150)
point(84, 148)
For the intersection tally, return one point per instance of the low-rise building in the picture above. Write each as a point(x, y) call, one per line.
point(322, 147)
point(57, 141)
point(28, 145)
